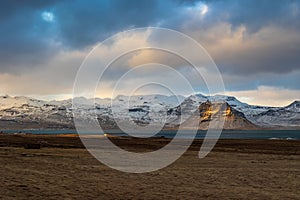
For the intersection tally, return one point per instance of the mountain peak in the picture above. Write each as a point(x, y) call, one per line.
point(200, 95)
point(294, 105)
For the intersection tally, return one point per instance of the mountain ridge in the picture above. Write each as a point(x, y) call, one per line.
point(26, 112)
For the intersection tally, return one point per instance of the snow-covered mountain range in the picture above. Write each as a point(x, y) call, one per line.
point(24, 112)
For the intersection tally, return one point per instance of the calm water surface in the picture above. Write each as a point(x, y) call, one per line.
point(226, 134)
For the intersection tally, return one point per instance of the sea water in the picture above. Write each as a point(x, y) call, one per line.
point(226, 134)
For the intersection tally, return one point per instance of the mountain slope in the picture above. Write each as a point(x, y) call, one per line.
point(288, 116)
point(219, 113)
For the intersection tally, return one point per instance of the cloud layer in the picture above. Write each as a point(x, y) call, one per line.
point(254, 43)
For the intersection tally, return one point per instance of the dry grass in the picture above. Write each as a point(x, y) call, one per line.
point(236, 169)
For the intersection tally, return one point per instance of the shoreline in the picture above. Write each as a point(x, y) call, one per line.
point(170, 134)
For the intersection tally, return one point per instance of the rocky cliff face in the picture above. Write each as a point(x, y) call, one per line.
point(217, 115)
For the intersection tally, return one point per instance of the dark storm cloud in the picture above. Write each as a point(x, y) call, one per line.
point(25, 37)
point(276, 51)
point(87, 22)
point(14, 7)
point(272, 28)
point(257, 14)
point(27, 40)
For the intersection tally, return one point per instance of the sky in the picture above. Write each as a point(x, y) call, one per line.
point(255, 44)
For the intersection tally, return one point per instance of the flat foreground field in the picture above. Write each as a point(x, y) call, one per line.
point(63, 169)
